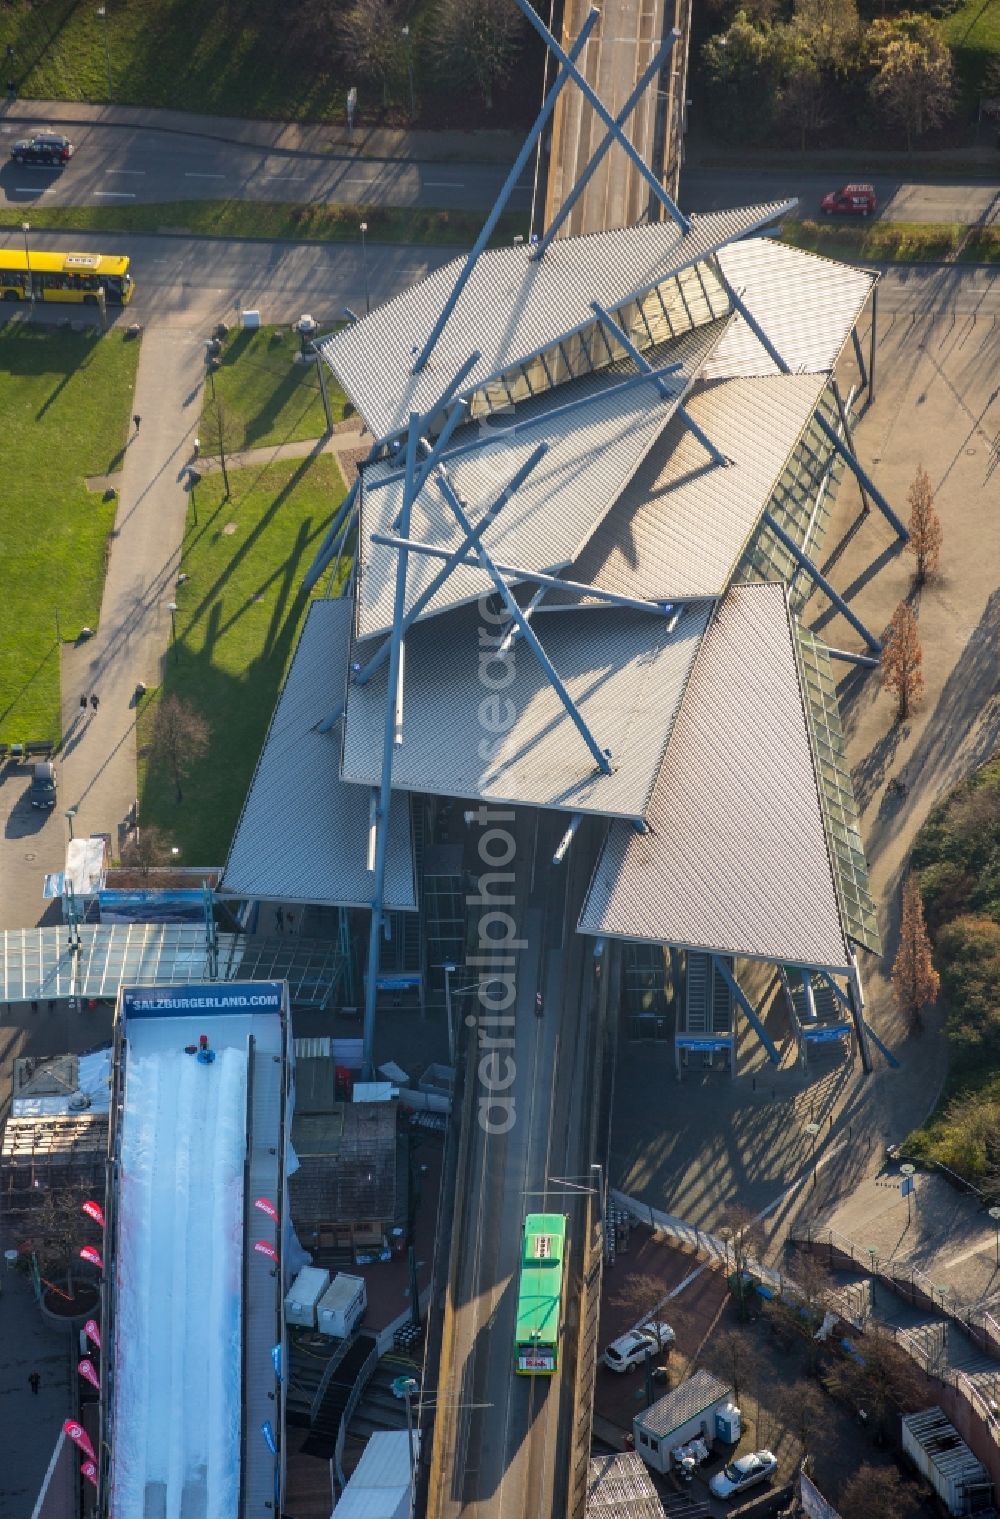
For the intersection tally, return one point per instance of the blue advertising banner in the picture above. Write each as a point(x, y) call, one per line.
point(826, 1035)
point(186, 905)
point(400, 983)
point(220, 997)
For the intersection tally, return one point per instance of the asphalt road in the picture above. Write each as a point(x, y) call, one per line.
point(940, 201)
point(121, 165)
point(502, 1442)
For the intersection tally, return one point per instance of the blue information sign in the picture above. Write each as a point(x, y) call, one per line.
point(906, 1186)
point(217, 997)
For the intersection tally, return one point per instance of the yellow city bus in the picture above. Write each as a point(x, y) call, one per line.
point(65, 277)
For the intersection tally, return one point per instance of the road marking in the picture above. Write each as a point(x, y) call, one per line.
point(284, 176)
point(117, 194)
point(348, 181)
point(124, 171)
point(190, 174)
point(31, 189)
point(445, 184)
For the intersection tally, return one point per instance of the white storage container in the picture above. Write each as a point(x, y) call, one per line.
point(341, 1305)
point(303, 1295)
point(940, 1454)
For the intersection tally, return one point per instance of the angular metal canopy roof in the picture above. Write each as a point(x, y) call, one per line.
point(625, 670)
point(736, 860)
point(303, 833)
point(592, 453)
point(680, 526)
point(513, 307)
point(806, 304)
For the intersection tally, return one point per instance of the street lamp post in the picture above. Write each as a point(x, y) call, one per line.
point(69, 815)
point(812, 1129)
point(102, 11)
point(26, 228)
point(172, 609)
point(449, 967)
point(995, 1216)
point(907, 1170)
point(364, 266)
point(406, 1388)
point(409, 69)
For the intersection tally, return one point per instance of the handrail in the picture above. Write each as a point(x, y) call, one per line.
point(105, 1360)
point(353, 1399)
point(245, 1267)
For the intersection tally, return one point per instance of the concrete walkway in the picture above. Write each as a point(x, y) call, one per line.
point(345, 445)
point(98, 759)
point(31, 1422)
point(287, 136)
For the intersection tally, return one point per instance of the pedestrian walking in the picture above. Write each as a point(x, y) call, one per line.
point(95, 702)
point(83, 704)
point(279, 918)
point(35, 1382)
point(137, 419)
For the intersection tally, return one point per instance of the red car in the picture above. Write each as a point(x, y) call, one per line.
point(850, 200)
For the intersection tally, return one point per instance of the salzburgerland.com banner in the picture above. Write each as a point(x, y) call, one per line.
point(218, 997)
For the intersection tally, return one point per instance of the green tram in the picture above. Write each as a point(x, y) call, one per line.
point(539, 1295)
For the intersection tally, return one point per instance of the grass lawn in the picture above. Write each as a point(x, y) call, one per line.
point(238, 621)
point(276, 222)
point(894, 242)
point(973, 31)
point(267, 395)
point(65, 401)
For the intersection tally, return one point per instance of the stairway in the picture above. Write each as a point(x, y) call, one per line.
point(379, 1408)
point(696, 994)
point(322, 1438)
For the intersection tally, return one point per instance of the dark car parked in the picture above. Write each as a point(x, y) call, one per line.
point(43, 785)
point(43, 148)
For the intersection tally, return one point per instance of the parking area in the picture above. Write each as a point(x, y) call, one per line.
point(33, 843)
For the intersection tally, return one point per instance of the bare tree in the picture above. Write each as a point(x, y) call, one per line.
point(147, 847)
point(478, 39)
point(924, 525)
point(803, 102)
point(180, 737)
point(914, 980)
point(803, 1410)
point(59, 1230)
point(740, 1233)
point(901, 660)
point(883, 1380)
point(642, 1296)
point(224, 432)
point(876, 1492)
point(370, 34)
point(739, 1357)
point(813, 1292)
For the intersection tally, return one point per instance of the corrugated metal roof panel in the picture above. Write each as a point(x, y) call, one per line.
point(592, 455)
point(735, 860)
point(512, 307)
point(303, 833)
point(700, 1391)
point(806, 304)
point(625, 671)
point(680, 526)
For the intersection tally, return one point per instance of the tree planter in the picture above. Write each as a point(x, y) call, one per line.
point(62, 1313)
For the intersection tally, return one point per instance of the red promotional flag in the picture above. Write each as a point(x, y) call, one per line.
point(89, 1470)
point(86, 1369)
point(79, 1436)
point(263, 1248)
point(88, 1253)
point(95, 1211)
point(266, 1206)
point(92, 1332)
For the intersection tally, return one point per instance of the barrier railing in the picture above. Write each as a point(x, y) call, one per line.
point(245, 1268)
point(350, 1408)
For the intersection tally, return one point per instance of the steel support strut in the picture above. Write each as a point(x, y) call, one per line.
point(385, 780)
point(845, 422)
point(601, 758)
point(802, 558)
point(520, 163)
point(749, 1010)
point(752, 322)
point(652, 69)
point(528, 10)
point(863, 478)
point(452, 559)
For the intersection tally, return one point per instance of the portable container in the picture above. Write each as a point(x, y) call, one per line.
point(728, 1424)
point(341, 1306)
point(303, 1295)
point(940, 1454)
point(684, 1414)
